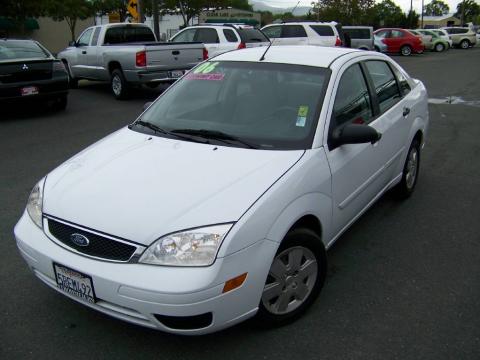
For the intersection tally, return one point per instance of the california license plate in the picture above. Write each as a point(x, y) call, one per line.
point(29, 90)
point(74, 283)
point(177, 73)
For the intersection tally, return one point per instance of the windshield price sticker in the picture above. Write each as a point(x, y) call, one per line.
point(212, 77)
point(302, 116)
point(206, 68)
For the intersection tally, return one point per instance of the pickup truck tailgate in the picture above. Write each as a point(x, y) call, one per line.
point(173, 56)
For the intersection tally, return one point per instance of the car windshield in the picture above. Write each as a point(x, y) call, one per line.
point(21, 49)
point(265, 105)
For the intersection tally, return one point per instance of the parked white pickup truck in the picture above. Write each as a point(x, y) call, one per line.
point(126, 55)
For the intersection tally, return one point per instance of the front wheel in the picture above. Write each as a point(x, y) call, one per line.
point(296, 276)
point(119, 85)
point(410, 171)
point(406, 50)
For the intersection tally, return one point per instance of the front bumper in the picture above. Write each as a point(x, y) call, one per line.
point(137, 292)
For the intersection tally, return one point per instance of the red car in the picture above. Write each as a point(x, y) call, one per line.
point(400, 41)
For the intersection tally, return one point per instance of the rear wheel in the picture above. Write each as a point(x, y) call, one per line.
point(464, 44)
point(410, 171)
point(119, 85)
point(439, 47)
point(295, 278)
point(406, 50)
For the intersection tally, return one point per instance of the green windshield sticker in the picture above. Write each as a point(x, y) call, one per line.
point(206, 68)
point(302, 111)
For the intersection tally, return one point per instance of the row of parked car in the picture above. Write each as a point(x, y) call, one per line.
point(128, 55)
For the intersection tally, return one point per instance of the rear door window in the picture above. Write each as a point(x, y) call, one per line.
point(206, 36)
point(95, 36)
point(388, 93)
point(323, 30)
point(396, 34)
point(293, 31)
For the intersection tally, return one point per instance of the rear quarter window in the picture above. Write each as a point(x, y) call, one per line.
point(323, 30)
point(252, 35)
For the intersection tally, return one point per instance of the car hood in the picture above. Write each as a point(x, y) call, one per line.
point(140, 187)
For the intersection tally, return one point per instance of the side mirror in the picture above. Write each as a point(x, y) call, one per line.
point(355, 134)
point(72, 43)
point(147, 105)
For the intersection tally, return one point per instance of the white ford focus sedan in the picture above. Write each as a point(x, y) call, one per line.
point(218, 203)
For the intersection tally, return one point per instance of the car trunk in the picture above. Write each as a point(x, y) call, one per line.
point(25, 71)
point(173, 56)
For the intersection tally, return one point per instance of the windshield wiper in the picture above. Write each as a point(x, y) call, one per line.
point(216, 135)
point(158, 129)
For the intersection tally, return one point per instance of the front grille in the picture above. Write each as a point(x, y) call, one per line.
point(98, 246)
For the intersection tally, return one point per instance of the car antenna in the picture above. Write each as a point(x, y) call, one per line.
point(268, 47)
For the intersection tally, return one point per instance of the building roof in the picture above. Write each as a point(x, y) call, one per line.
point(301, 55)
point(439, 18)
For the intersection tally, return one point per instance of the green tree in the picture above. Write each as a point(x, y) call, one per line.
point(470, 10)
point(105, 7)
point(351, 12)
point(436, 8)
point(18, 11)
point(71, 11)
point(388, 14)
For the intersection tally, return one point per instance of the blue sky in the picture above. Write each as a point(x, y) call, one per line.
point(404, 4)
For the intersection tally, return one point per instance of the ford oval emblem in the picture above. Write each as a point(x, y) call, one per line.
point(79, 239)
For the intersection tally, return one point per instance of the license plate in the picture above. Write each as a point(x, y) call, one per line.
point(177, 73)
point(29, 90)
point(74, 283)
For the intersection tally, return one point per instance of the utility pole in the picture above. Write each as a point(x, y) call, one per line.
point(318, 10)
point(410, 13)
point(422, 13)
point(463, 13)
point(156, 27)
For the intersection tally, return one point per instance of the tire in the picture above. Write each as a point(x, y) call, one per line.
point(298, 281)
point(439, 47)
point(72, 82)
point(464, 44)
point(406, 50)
point(410, 173)
point(377, 49)
point(119, 85)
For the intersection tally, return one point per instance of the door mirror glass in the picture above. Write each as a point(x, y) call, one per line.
point(355, 134)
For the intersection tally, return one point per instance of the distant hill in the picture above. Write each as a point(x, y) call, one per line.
point(261, 6)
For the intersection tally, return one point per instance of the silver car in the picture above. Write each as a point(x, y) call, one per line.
point(361, 37)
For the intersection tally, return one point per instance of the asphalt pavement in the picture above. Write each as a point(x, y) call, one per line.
point(403, 282)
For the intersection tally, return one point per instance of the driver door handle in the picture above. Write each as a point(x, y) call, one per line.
point(84, 51)
point(406, 111)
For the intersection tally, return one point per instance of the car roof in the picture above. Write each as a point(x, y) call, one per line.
point(319, 56)
point(331, 23)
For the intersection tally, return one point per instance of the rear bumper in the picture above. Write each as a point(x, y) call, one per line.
point(46, 89)
point(145, 77)
point(143, 294)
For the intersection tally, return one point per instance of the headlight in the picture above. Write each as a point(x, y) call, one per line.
point(196, 247)
point(35, 204)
